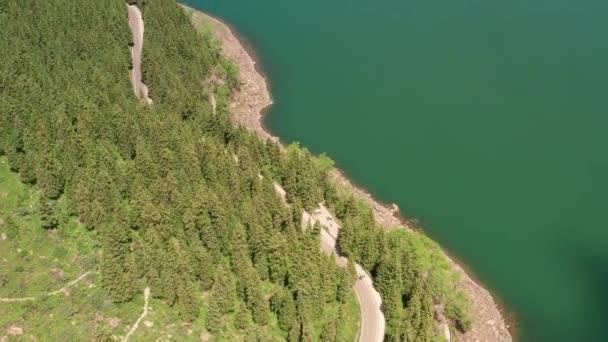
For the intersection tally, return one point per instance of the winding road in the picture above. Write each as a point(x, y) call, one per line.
point(373, 324)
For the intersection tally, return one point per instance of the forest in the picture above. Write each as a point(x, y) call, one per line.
point(179, 199)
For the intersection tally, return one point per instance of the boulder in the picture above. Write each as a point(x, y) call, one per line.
point(14, 330)
point(58, 274)
point(112, 322)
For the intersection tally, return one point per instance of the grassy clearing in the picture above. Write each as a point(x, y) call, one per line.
point(34, 261)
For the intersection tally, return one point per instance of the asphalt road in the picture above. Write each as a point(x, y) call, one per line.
point(372, 318)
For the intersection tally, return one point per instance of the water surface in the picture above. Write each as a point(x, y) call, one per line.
point(484, 119)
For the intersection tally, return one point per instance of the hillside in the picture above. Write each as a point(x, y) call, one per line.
point(115, 196)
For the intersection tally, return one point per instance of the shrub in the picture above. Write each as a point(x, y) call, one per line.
point(11, 229)
point(458, 308)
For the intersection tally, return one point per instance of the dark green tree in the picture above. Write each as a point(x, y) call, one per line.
point(116, 269)
point(241, 319)
point(328, 334)
point(49, 174)
point(188, 303)
point(47, 211)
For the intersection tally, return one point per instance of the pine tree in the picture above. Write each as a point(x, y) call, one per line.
point(204, 267)
point(277, 259)
point(224, 290)
point(116, 270)
point(25, 164)
point(188, 303)
point(307, 332)
point(274, 157)
point(347, 240)
point(208, 235)
point(47, 212)
point(343, 286)
point(294, 332)
point(260, 261)
point(215, 315)
point(393, 311)
point(168, 284)
point(241, 319)
point(49, 174)
point(256, 302)
point(419, 315)
point(328, 334)
point(284, 308)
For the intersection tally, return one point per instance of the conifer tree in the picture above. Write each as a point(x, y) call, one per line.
point(168, 284)
point(224, 290)
point(307, 332)
point(204, 267)
point(294, 332)
point(274, 158)
point(241, 319)
point(343, 286)
point(419, 315)
point(116, 271)
point(328, 334)
point(47, 212)
point(49, 174)
point(261, 265)
point(277, 259)
point(25, 165)
point(284, 308)
point(188, 303)
point(215, 316)
point(256, 302)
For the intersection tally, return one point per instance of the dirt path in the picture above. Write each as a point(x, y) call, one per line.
point(213, 103)
point(63, 290)
point(136, 23)
point(141, 317)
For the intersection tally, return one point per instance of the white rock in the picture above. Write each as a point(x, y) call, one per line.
point(14, 330)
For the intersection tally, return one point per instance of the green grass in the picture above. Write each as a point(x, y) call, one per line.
point(351, 315)
point(29, 254)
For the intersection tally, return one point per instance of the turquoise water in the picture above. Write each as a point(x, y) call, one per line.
point(484, 119)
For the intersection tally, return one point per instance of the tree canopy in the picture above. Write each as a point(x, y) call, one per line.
point(173, 190)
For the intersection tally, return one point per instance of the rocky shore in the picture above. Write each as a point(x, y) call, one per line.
point(248, 106)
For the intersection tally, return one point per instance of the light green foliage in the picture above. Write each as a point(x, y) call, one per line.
point(329, 332)
point(231, 72)
point(411, 273)
point(458, 308)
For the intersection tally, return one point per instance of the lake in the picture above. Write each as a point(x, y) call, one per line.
point(486, 120)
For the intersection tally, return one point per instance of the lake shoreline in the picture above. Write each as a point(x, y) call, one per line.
point(249, 106)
